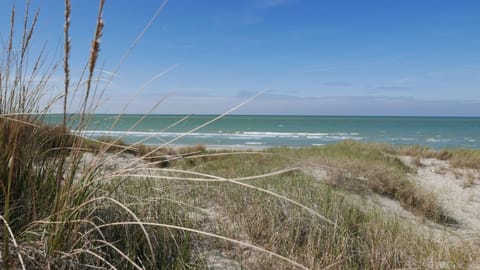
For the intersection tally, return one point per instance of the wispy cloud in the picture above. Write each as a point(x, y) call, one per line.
point(251, 13)
point(266, 4)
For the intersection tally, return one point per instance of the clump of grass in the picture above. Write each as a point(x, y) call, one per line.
point(361, 167)
point(411, 150)
point(30, 161)
point(465, 159)
point(171, 248)
point(105, 144)
point(458, 158)
point(55, 213)
point(163, 156)
point(111, 140)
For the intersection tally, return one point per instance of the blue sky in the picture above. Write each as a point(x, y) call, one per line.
point(338, 57)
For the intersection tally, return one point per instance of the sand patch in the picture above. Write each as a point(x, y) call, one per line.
point(458, 191)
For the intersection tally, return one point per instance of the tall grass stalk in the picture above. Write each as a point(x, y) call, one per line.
point(66, 57)
point(12, 236)
point(44, 188)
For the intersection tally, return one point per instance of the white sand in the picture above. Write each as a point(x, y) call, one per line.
point(458, 191)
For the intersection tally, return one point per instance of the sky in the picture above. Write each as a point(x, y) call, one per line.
point(315, 57)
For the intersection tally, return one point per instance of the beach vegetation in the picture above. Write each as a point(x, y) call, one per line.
point(67, 202)
point(360, 236)
point(360, 167)
point(457, 158)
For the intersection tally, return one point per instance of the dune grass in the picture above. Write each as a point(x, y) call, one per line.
point(465, 158)
point(63, 207)
point(361, 237)
point(457, 158)
point(58, 210)
point(360, 168)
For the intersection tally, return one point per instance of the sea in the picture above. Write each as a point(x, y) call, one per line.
point(262, 131)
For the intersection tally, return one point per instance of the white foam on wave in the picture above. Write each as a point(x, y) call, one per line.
point(315, 137)
point(247, 135)
point(283, 134)
point(437, 140)
point(253, 143)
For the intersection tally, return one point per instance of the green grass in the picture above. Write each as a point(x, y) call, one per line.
point(362, 238)
point(61, 210)
point(361, 168)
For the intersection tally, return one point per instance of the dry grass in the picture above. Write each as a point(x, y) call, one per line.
point(458, 158)
point(411, 150)
point(62, 211)
point(56, 211)
point(360, 168)
point(47, 201)
point(359, 238)
point(465, 159)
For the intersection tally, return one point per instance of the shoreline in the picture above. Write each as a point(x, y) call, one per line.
point(227, 147)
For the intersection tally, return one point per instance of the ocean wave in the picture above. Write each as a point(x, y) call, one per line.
point(401, 139)
point(247, 135)
point(284, 134)
point(253, 143)
point(436, 140)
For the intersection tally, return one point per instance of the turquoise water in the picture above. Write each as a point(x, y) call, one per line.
point(268, 131)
